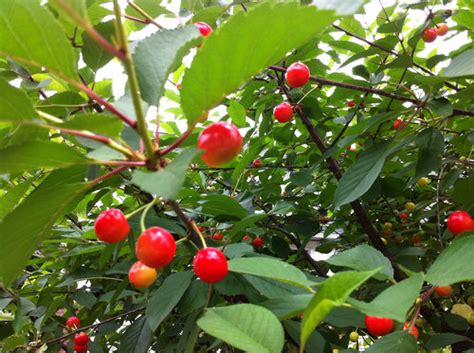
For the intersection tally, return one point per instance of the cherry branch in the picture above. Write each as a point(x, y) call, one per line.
point(178, 142)
point(148, 19)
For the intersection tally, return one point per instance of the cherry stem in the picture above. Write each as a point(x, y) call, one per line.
point(144, 213)
point(134, 212)
point(148, 18)
point(423, 298)
point(198, 232)
point(178, 142)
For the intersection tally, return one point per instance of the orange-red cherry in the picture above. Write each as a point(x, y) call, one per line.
point(246, 238)
point(397, 123)
point(442, 29)
point(444, 291)
point(403, 216)
point(141, 276)
point(297, 75)
point(460, 221)
point(429, 35)
point(413, 331)
point(73, 322)
point(80, 348)
point(378, 326)
point(81, 339)
point(204, 28)
point(256, 163)
point(351, 104)
point(111, 226)
point(283, 112)
point(155, 247)
point(218, 236)
point(210, 265)
point(221, 142)
point(258, 242)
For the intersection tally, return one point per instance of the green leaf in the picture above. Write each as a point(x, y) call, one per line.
point(104, 124)
point(461, 65)
point(235, 250)
point(443, 339)
point(247, 157)
point(94, 55)
point(270, 268)
point(464, 191)
point(30, 34)
point(392, 26)
point(37, 154)
point(31, 222)
point(332, 293)
point(397, 342)
point(218, 205)
point(14, 103)
point(342, 7)
point(361, 175)
point(166, 297)
point(136, 339)
point(166, 182)
point(363, 258)
point(12, 197)
point(288, 306)
point(160, 54)
point(248, 327)
point(431, 145)
point(454, 263)
point(395, 301)
point(237, 113)
point(228, 57)
point(246, 222)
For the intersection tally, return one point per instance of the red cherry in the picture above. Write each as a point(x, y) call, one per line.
point(256, 163)
point(429, 35)
point(397, 123)
point(378, 326)
point(141, 276)
point(73, 322)
point(81, 348)
point(155, 247)
point(201, 229)
point(460, 221)
point(283, 112)
point(403, 216)
point(204, 28)
point(81, 339)
point(246, 238)
point(111, 226)
point(297, 75)
point(210, 265)
point(444, 291)
point(413, 331)
point(442, 29)
point(351, 104)
point(221, 143)
point(218, 236)
point(258, 242)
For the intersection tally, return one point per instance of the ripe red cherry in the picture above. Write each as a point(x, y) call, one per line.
point(442, 29)
point(111, 226)
point(283, 112)
point(403, 216)
point(210, 265)
point(155, 247)
point(221, 143)
point(80, 349)
point(378, 326)
point(256, 163)
point(246, 238)
point(351, 104)
point(297, 75)
point(397, 123)
point(413, 331)
point(258, 242)
point(81, 339)
point(204, 28)
point(218, 236)
point(460, 221)
point(141, 276)
point(429, 35)
point(444, 291)
point(73, 322)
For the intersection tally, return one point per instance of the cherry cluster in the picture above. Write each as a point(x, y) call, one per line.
point(431, 33)
point(81, 339)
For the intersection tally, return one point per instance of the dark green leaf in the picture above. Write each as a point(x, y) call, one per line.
point(216, 205)
point(443, 339)
point(136, 338)
point(397, 342)
point(288, 306)
point(94, 55)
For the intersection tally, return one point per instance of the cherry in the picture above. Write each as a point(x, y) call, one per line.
point(398, 239)
point(111, 226)
point(416, 239)
point(297, 75)
point(155, 247)
point(283, 112)
point(429, 35)
point(258, 242)
point(413, 331)
point(378, 326)
point(218, 236)
point(246, 238)
point(73, 322)
point(403, 216)
point(387, 225)
point(210, 265)
point(221, 142)
point(256, 163)
point(387, 232)
point(81, 339)
point(201, 229)
point(141, 276)
point(460, 221)
point(442, 29)
point(204, 28)
point(422, 182)
point(354, 336)
point(351, 104)
point(410, 206)
point(81, 348)
point(397, 123)
point(444, 291)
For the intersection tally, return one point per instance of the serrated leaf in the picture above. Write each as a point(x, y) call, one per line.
point(30, 34)
point(158, 55)
point(248, 327)
point(228, 57)
point(168, 181)
point(94, 55)
point(14, 103)
point(12, 197)
point(461, 65)
point(136, 338)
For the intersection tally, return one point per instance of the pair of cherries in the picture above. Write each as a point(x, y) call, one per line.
point(81, 340)
point(381, 326)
